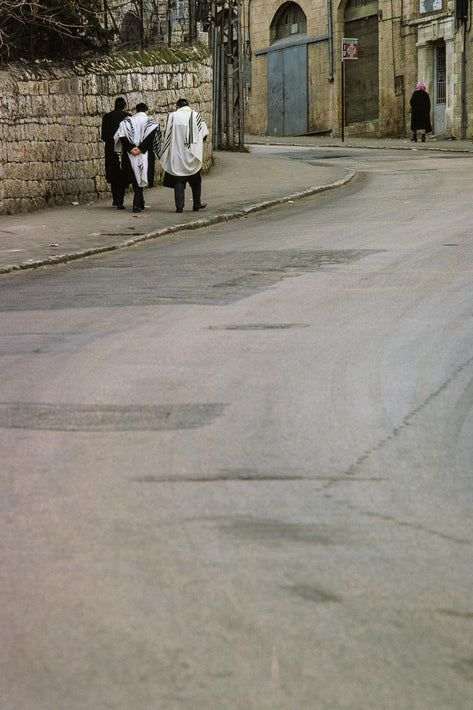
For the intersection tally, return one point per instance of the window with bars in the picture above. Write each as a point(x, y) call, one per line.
point(290, 19)
point(441, 75)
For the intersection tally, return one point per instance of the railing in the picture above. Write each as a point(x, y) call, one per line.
point(45, 29)
point(141, 23)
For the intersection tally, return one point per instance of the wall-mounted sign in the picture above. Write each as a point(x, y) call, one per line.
point(350, 48)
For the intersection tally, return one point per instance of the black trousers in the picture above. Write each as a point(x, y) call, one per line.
point(118, 191)
point(138, 197)
point(195, 182)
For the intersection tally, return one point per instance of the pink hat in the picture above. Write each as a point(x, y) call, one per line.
point(420, 86)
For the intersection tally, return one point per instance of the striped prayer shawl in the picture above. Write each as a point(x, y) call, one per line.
point(190, 135)
point(183, 142)
point(135, 129)
point(168, 134)
point(137, 132)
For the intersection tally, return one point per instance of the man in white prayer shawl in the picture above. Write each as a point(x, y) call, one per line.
point(136, 135)
point(182, 154)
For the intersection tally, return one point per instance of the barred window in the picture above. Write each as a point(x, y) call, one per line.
point(289, 20)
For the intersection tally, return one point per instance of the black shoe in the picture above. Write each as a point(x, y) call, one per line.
point(179, 209)
point(136, 210)
point(114, 204)
point(121, 207)
point(202, 206)
point(423, 138)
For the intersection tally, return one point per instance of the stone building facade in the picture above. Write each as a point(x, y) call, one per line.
point(50, 119)
point(294, 66)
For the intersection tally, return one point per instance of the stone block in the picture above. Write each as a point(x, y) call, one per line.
point(13, 189)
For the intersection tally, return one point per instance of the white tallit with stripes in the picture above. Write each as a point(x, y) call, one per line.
point(183, 142)
point(136, 128)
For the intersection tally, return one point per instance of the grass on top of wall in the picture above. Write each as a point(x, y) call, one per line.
point(151, 57)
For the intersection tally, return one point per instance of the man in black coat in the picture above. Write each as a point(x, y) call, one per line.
point(136, 138)
point(110, 123)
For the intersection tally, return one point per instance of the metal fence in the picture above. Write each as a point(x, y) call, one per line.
point(141, 23)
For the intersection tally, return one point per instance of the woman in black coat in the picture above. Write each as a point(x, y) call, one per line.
point(420, 112)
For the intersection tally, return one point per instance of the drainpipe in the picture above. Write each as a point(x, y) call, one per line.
point(463, 84)
point(330, 39)
point(221, 86)
point(215, 73)
point(241, 103)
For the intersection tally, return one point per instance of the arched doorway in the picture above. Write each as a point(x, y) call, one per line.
point(362, 75)
point(287, 72)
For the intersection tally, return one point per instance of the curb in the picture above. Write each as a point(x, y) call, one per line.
point(164, 231)
point(346, 144)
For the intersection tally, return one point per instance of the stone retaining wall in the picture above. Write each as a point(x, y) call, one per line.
point(51, 114)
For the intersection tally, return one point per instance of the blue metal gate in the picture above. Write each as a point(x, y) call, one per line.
point(287, 91)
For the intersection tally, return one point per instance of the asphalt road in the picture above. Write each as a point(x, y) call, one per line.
point(237, 463)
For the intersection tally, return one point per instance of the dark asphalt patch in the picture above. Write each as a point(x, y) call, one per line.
point(312, 594)
point(81, 417)
point(276, 532)
point(152, 276)
point(259, 326)
point(46, 343)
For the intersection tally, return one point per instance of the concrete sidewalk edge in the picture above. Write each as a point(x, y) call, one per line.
point(431, 144)
point(164, 231)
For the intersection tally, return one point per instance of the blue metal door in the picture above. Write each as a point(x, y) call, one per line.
point(295, 90)
point(287, 91)
point(275, 94)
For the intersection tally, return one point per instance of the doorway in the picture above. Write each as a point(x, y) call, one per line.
point(362, 75)
point(440, 88)
point(287, 91)
point(287, 72)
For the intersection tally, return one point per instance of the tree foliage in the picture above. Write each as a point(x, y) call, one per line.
point(37, 29)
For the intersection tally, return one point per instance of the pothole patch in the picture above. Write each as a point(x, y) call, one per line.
point(81, 417)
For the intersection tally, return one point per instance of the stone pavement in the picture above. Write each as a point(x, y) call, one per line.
point(237, 185)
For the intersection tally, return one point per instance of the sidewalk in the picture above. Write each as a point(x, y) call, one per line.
point(325, 141)
point(238, 184)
